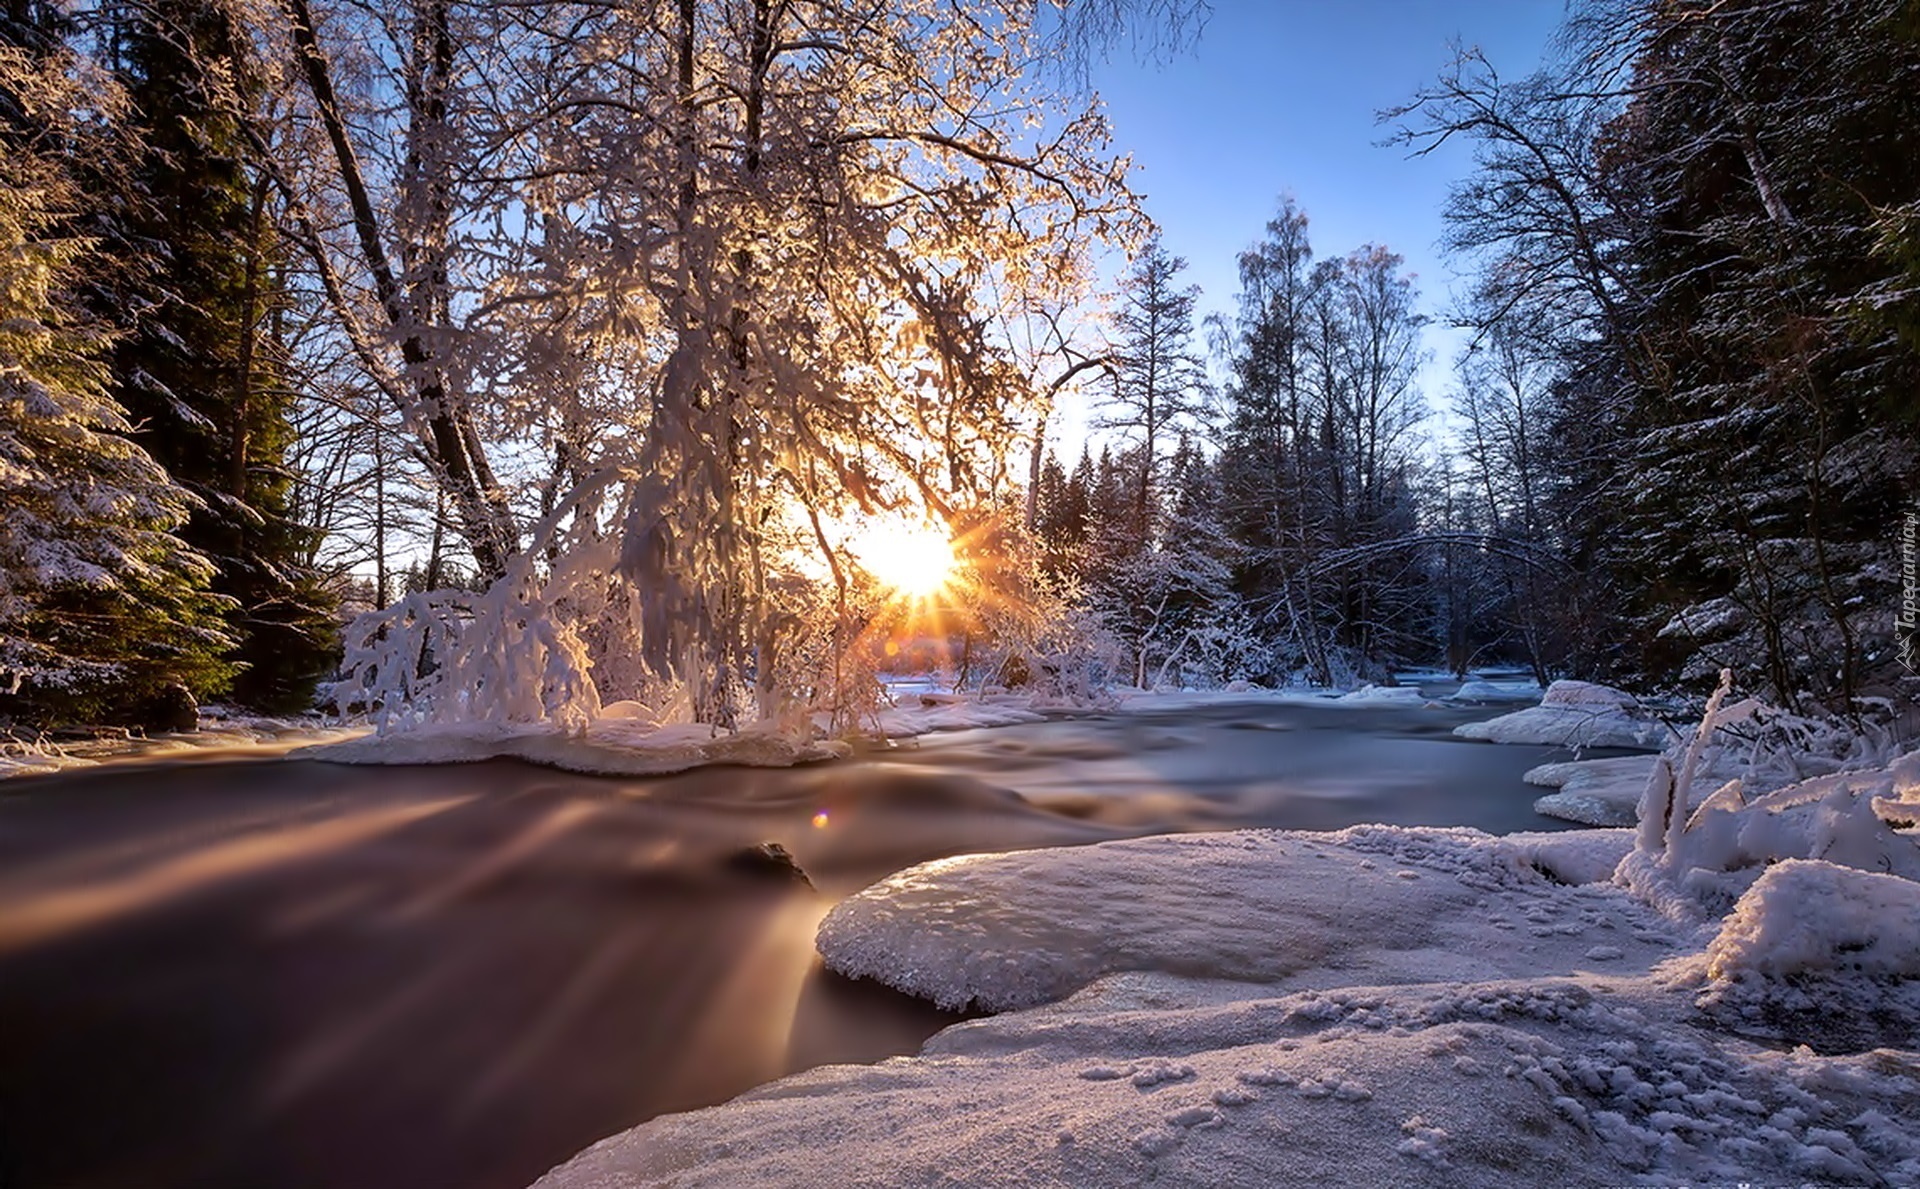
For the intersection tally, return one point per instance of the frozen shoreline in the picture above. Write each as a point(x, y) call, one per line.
point(1378, 1005)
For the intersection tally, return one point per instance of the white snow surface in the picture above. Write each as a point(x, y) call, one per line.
point(1284, 909)
point(1588, 693)
point(1380, 1006)
point(1496, 691)
point(1575, 714)
point(1593, 792)
point(1805, 915)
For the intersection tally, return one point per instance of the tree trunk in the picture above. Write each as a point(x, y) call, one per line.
point(451, 443)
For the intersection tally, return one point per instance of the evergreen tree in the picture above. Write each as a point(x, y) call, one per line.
point(1159, 382)
point(1276, 500)
point(1708, 203)
point(1773, 446)
point(194, 366)
point(103, 613)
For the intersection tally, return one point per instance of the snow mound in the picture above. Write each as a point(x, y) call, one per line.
point(1588, 694)
point(624, 746)
point(1574, 714)
point(1818, 954)
point(1496, 691)
point(1593, 792)
point(1383, 695)
point(1012, 930)
point(1571, 856)
point(1811, 916)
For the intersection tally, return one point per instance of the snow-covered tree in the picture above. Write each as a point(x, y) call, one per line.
point(102, 609)
point(1703, 201)
point(190, 222)
point(738, 261)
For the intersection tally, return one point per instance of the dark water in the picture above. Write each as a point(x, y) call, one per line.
point(298, 974)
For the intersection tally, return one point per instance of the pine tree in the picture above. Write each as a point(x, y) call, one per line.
point(1160, 383)
point(195, 368)
point(1773, 446)
point(104, 615)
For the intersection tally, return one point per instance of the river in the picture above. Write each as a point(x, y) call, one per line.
point(221, 971)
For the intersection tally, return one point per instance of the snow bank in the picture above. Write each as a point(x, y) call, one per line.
point(1592, 792)
point(1496, 1084)
point(1263, 1011)
point(1816, 954)
point(1013, 930)
point(1761, 746)
point(1695, 864)
point(1575, 714)
point(624, 746)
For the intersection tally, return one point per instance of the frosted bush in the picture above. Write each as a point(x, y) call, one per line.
point(1700, 859)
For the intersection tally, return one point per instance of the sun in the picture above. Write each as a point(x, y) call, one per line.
point(913, 557)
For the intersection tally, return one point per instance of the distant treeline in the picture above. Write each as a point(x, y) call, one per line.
point(1683, 431)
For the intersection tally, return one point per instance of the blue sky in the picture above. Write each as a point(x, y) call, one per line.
point(1280, 95)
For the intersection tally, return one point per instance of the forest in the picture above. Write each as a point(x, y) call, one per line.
point(531, 357)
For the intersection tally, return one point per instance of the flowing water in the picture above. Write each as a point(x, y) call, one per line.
point(288, 973)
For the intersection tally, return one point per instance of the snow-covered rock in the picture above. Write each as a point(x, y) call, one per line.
point(1592, 792)
point(1262, 1011)
point(1496, 691)
point(1373, 903)
point(1588, 694)
point(1575, 714)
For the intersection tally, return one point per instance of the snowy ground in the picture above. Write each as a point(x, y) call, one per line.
point(220, 731)
point(1376, 1006)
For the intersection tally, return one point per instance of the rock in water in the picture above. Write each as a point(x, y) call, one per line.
point(768, 858)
